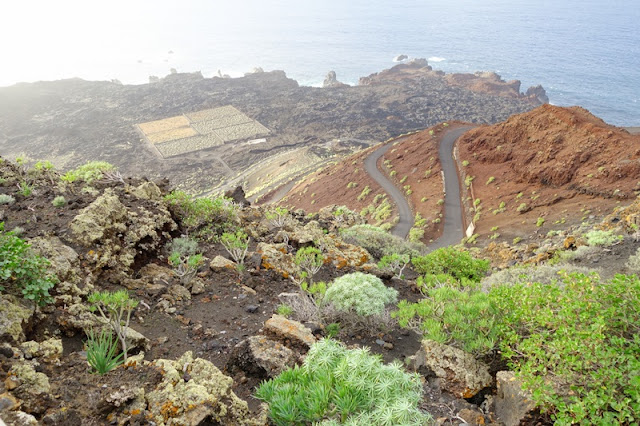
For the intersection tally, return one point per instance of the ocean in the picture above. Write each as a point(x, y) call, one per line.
point(583, 52)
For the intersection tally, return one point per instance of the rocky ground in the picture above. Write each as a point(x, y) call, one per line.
point(200, 346)
point(72, 121)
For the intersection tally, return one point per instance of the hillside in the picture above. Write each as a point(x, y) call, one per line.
point(551, 165)
point(224, 297)
point(412, 163)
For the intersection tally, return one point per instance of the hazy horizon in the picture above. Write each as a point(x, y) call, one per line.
point(584, 53)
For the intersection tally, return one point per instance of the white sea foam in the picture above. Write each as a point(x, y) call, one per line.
point(436, 59)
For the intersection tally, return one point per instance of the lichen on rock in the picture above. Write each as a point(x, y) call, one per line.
point(193, 390)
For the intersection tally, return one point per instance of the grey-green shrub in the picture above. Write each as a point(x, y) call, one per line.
point(6, 199)
point(545, 274)
point(379, 242)
point(59, 201)
point(363, 293)
point(336, 385)
point(600, 238)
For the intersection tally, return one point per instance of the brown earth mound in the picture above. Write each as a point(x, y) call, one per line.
point(550, 163)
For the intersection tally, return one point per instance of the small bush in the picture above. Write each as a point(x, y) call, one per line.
point(459, 264)
point(490, 180)
point(363, 293)
point(102, 351)
point(6, 199)
point(88, 172)
point(450, 316)
point(366, 191)
point(205, 218)
point(379, 242)
point(115, 308)
point(277, 216)
point(602, 238)
point(394, 263)
point(336, 385)
point(310, 259)
point(19, 266)
point(540, 222)
point(236, 244)
point(59, 201)
point(284, 310)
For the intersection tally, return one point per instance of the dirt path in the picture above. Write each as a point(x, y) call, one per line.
point(453, 225)
point(404, 211)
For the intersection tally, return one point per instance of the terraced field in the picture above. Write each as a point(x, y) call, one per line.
point(200, 130)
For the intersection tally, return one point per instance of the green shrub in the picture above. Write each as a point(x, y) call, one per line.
point(394, 263)
point(277, 216)
point(490, 180)
point(575, 346)
point(379, 242)
point(236, 244)
point(336, 385)
point(366, 191)
point(115, 308)
point(522, 207)
point(6, 199)
point(88, 172)
point(460, 265)
point(284, 310)
point(19, 266)
point(602, 238)
point(205, 218)
point(540, 222)
point(465, 163)
point(362, 293)
point(310, 260)
point(450, 316)
point(415, 234)
point(102, 351)
point(59, 201)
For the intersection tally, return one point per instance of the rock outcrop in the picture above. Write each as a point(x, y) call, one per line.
point(461, 374)
point(332, 81)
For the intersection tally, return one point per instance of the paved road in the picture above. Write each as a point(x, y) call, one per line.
point(404, 211)
point(453, 223)
point(453, 232)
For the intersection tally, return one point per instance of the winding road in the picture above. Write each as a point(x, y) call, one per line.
point(404, 211)
point(453, 224)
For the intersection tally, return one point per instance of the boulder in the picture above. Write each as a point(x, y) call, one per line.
point(460, 373)
point(275, 256)
point(220, 263)
point(116, 233)
point(14, 317)
point(147, 191)
point(259, 356)
point(512, 403)
point(19, 418)
point(61, 257)
point(238, 196)
point(193, 391)
point(331, 81)
point(293, 331)
point(48, 350)
point(28, 380)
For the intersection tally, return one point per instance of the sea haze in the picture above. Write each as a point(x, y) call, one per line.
point(583, 52)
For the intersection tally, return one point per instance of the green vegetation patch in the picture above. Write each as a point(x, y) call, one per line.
point(336, 385)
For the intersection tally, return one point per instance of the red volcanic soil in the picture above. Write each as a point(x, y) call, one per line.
point(412, 164)
point(340, 184)
point(558, 164)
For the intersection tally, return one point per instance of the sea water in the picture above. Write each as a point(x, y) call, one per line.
point(584, 52)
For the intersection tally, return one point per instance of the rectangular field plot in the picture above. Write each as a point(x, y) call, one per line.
point(242, 131)
point(163, 125)
point(211, 125)
point(173, 134)
point(184, 146)
point(213, 114)
point(200, 130)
